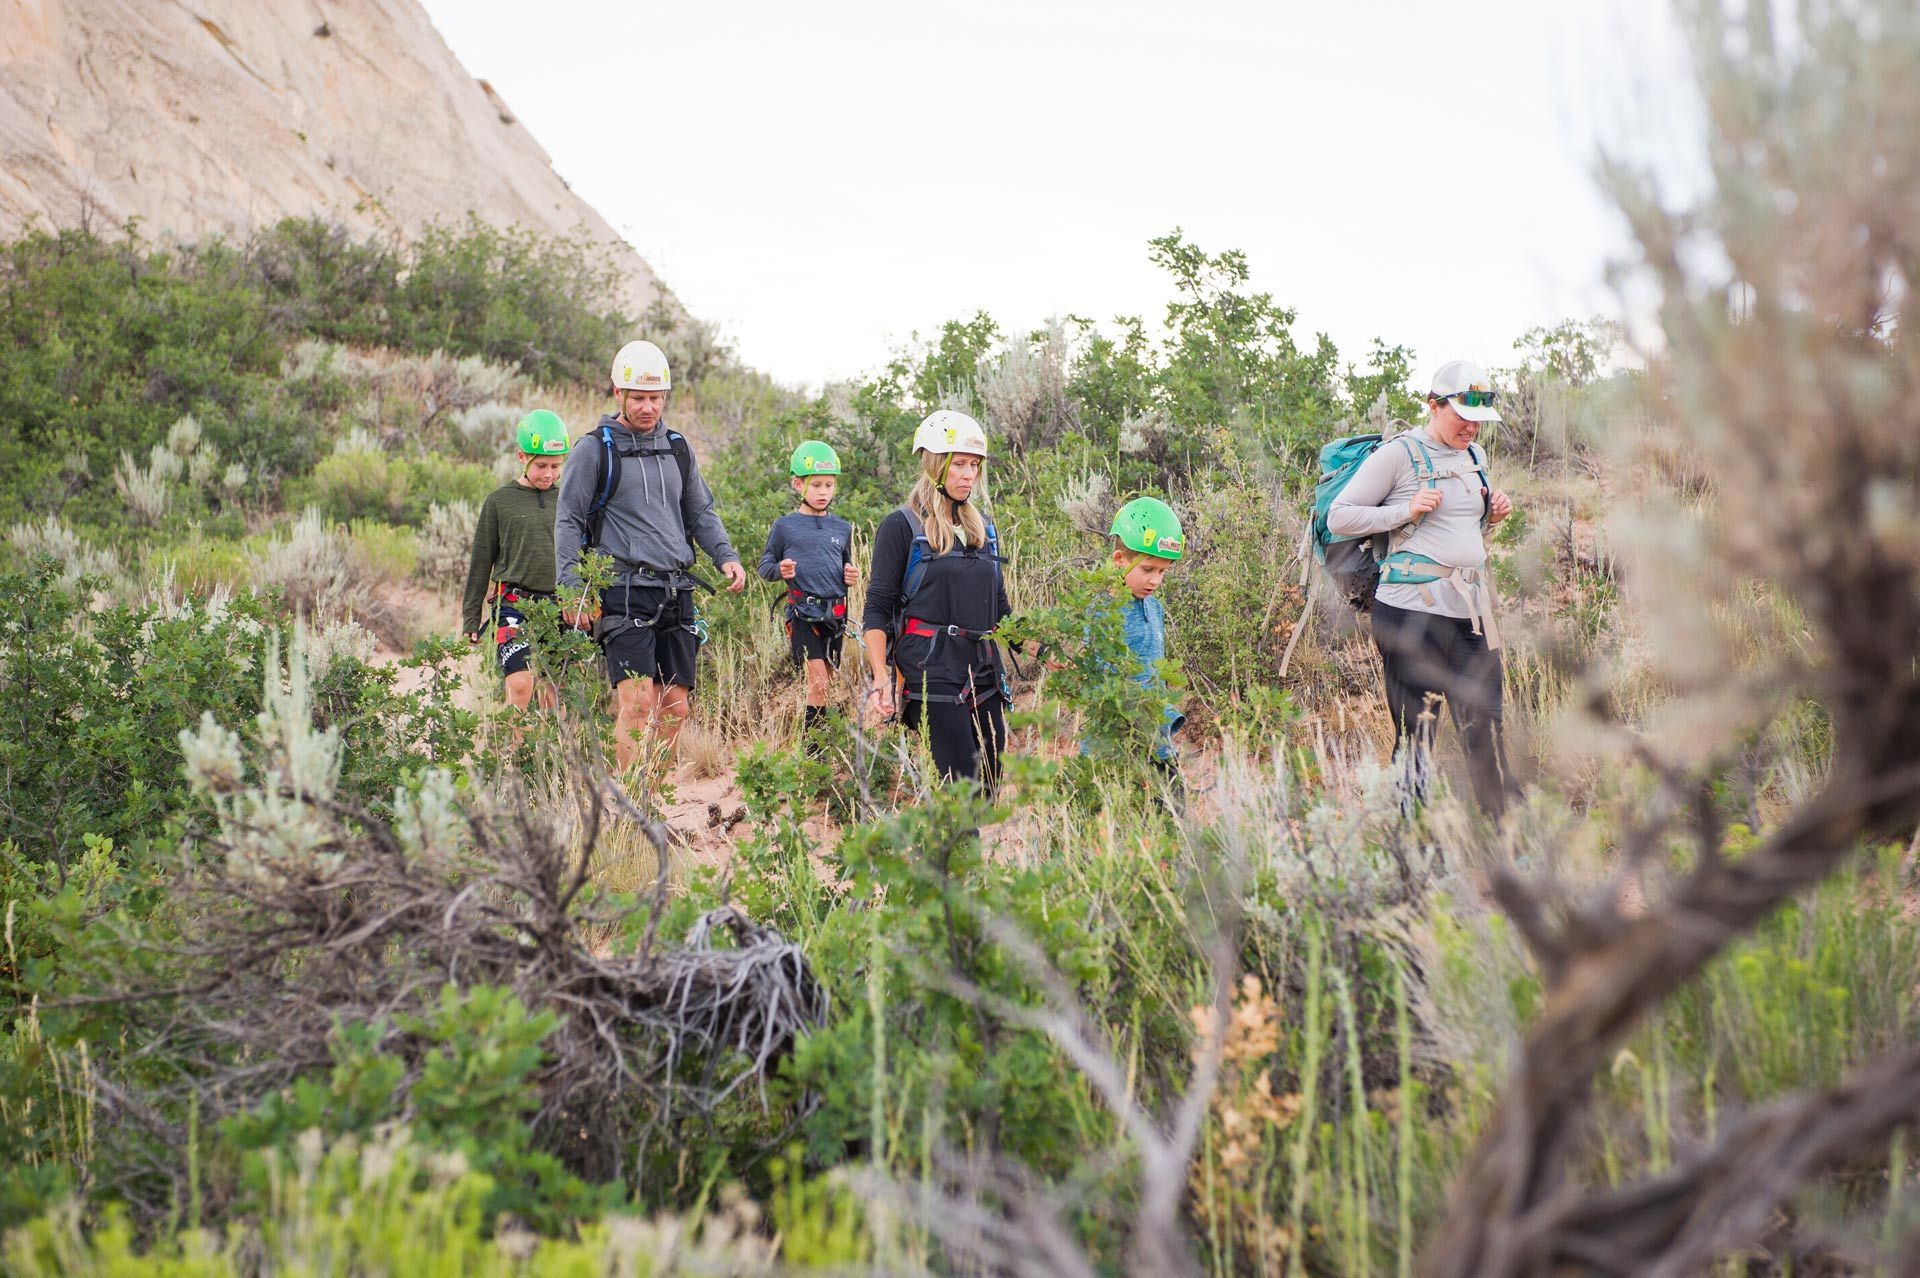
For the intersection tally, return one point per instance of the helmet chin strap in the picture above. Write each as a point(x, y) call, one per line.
point(941, 483)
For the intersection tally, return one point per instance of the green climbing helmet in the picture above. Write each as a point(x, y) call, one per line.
point(814, 458)
point(543, 434)
point(1148, 526)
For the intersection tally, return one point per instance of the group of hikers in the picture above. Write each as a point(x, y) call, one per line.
point(631, 490)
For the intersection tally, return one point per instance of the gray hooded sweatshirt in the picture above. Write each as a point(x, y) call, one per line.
point(642, 523)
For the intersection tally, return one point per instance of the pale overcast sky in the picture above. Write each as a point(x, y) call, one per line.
point(825, 180)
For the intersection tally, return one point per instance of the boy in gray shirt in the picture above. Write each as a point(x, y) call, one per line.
point(811, 551)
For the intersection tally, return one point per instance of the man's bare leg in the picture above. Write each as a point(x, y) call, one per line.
point(675, 707)
point(634, 703)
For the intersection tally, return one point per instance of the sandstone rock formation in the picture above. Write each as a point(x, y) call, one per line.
point(202, 115)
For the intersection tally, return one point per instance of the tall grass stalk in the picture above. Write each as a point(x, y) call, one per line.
point(1403, 1124)
point(1356, 1200)
point(1313, 1042)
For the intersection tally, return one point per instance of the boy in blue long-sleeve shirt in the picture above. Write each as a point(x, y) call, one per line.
point(1147, 542)
point(811, 551)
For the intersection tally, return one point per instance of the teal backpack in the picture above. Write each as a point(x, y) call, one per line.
point(1353, 563)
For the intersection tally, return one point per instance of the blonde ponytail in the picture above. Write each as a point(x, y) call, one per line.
point(937, 510)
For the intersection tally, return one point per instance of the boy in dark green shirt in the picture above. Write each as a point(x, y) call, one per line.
point(513, 560)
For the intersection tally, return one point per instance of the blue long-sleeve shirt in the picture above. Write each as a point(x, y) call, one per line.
point(1144, 622)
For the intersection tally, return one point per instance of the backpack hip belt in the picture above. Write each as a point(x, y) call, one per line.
point(1404, 568)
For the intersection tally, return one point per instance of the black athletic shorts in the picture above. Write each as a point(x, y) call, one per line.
point(810, 642)
point(513, 647)
point(816, 628)
point(648, 632)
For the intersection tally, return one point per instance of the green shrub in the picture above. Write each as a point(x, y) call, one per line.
point(108, 342)
point(1119, 720)
point(1223, 618)
point(92, 705)
point(385, 552)
point(380, 1206)
point(365, 486)
point(358, 485)
point(473, 1095)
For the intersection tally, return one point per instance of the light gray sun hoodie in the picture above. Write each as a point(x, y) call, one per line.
point(1375, 501)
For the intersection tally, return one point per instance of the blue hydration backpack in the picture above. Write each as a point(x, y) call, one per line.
point(1354, 562)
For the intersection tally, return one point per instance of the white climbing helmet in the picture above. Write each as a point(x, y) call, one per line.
point(641, 366)
point(946, 431)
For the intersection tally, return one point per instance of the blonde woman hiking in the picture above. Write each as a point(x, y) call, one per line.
point(934, 596)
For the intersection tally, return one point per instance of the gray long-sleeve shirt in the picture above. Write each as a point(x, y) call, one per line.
point(642, 523)
point(817, 544)
point(1375, 501)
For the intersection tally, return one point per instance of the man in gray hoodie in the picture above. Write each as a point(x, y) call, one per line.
point(658, 508)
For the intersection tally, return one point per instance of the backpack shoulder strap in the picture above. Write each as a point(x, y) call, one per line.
point(683, 457)
point(917, 552)
point(1479, 460)
point(1422, 461)
point(609, 481)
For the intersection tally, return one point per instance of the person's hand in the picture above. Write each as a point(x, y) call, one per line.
point(880, 697)
point(786, 569)
point(736, 576)
point(579, 617)
point(473, 637)
point(1499, 506)
point(851, 574)
point(1424, 502)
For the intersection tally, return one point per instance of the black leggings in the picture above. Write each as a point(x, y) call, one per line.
point(1427, 655)
point(966, 744)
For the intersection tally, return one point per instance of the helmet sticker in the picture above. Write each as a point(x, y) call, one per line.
point(626, 372)
point(1147, 536)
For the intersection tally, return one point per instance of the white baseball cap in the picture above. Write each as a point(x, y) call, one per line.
point(1458, 375)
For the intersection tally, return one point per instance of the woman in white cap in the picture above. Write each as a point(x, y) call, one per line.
point(1433, 621)
point(934, 597)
